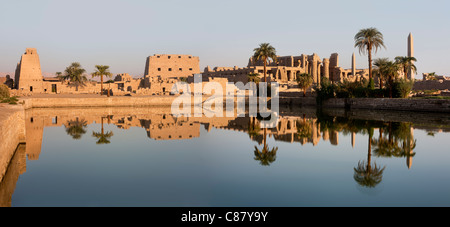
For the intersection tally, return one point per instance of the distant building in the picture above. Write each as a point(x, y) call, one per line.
point(166, 66)
point(28, 72)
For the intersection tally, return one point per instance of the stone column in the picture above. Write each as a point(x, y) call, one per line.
point(334, 64)
point(326, 68)
point(313, 62)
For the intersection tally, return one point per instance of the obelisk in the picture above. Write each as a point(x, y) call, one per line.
point(353, 65)
point(410, 51)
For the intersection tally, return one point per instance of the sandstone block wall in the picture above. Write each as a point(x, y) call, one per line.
point(12, 132)
point(432, 85)
point(172, 65)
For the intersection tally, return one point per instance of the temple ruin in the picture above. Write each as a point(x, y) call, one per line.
point(286, 69)
point(161, 73)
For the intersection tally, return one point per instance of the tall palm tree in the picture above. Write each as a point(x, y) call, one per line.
point(102, 136)
point(102, 70)
point(264, 52)
point(304, 81)
point(75, 74)
point(368, 40)
point(407, 65)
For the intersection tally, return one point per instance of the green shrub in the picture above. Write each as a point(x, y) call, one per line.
point(4, 91)
point(371, 84)
point(347, 89)
point(326, 91)
point(379, 93)
point(402, 88)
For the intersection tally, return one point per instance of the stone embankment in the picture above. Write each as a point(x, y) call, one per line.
point(12, 133)
point(416, 105)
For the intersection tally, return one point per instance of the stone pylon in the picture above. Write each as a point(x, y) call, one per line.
point(410, 51)
point(28, 72)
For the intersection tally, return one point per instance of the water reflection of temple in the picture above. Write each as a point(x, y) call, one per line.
point(292, 129)
point(158, 126)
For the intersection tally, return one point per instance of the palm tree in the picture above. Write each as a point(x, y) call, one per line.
point(368, 40)
point(391, 69)
point(75, 74)
point(264, 52)
point(380, 65)
point(431, 76)
point(407, 65)
point(101, 136)
point(102, 70)
point(59, 75)
point(253, 77)
point(304, 81)
point(76, 128)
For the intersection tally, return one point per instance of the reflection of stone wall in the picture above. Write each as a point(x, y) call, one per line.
point(16, 167)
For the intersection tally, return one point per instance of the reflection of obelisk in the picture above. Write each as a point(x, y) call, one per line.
point(410, 144)
point(410, 51)
point(353, 139)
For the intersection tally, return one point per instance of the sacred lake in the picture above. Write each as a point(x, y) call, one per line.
point(148, 157)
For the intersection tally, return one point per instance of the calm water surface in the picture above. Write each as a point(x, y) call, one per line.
point(137, 157)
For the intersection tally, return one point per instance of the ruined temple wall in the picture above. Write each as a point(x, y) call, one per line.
point(432, 85)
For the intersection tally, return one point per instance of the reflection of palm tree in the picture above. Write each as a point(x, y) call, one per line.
point(400, 143)
point(75, 128)
point(102, 137)
point(367, 175)
point(266, 156)
point(253, 127)
point(304, 129)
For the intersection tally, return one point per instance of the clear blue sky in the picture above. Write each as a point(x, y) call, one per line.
point(122, 34)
